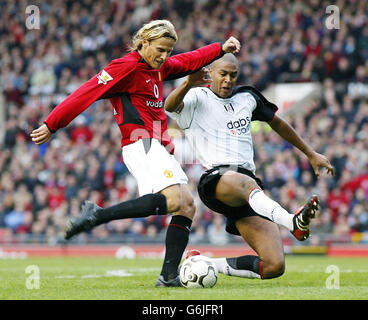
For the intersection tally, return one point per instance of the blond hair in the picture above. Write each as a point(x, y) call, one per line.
point(153, 30)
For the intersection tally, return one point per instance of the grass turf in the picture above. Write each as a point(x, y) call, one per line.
point(111, 279)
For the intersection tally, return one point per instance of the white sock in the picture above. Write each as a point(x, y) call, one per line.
point(269, 208)
point(225, 268)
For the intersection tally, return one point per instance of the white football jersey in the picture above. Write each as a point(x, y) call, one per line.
point(218, 129)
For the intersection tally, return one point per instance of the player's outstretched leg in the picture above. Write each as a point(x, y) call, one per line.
point(92, 215)
point(303, 217)
point(85, 222)
point(231, 190)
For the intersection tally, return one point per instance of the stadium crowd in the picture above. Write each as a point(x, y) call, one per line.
point(42, 186)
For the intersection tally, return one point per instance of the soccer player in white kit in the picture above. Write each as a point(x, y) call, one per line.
point(217, 122)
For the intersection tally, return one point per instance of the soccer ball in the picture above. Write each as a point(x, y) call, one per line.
point(198, 272)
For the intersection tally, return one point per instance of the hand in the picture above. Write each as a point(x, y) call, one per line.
point(232, 45)
point(199, 78)
point(318, 161)
point(41, 135)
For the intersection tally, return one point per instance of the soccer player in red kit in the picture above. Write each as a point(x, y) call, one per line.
point(133, 84)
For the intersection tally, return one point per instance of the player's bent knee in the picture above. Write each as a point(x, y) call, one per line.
point(279, 268)
point(173, 204)
point(235, 188)
point(247, 185)
point(183, 206)
point(274, 269)
point(188, 209)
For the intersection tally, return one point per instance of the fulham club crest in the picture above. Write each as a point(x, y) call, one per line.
point(229, 108)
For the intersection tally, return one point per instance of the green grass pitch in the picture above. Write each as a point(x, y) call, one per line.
point(306, 277)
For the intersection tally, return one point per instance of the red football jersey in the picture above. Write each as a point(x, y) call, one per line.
point(135, 91)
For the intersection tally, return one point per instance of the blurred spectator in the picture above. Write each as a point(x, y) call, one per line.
point(358, 219)
point(216, 231)
point(81, 132)
point(198, 234)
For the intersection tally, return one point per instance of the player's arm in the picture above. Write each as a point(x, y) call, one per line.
point(287, 132)
point(91, 91)
point(183, 64)
point(68, 109)
point(174, 101)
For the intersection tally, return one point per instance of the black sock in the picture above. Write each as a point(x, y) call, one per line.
point(251, 263)
point(177, 237)
point(149, 204)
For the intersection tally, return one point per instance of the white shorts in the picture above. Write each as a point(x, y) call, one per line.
point(155, 170)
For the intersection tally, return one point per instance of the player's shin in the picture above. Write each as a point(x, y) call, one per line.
point(149, 204)
point(244, 266)
point(177, 237)
point(269, 208)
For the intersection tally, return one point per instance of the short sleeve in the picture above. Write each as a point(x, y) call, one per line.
point(265, 110)
point(185, 117)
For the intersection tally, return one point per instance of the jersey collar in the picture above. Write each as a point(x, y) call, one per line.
point(141, 60)
point(221, 98)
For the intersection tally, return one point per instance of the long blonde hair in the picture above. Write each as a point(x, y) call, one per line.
point(153, 30)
